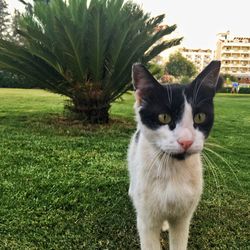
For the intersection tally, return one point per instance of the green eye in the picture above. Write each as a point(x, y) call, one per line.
point(164, 118)
point(199, 118)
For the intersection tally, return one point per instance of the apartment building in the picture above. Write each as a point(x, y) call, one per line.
point(234, 53)
point(199, 57)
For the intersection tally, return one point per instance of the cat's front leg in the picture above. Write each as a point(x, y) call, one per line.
point(149, 233)
point(178, 233)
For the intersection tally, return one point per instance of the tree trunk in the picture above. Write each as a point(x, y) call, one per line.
point(90, 113)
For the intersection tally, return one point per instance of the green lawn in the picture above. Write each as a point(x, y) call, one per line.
point(64, 185)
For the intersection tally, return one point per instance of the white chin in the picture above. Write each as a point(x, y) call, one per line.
point(193, 152)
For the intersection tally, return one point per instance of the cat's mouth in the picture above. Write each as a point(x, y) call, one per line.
point(181, 156)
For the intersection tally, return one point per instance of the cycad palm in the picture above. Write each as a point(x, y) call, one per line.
point(85, 50)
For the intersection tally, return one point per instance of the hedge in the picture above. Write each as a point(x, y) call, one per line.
point(243, 90)
point(9, 80)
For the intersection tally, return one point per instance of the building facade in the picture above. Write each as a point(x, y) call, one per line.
point(234, 53)
point(199, 57)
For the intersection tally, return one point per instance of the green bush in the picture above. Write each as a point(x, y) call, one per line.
point(85, 50)
point(10, 80)
point(179, 67)
point(243, 90)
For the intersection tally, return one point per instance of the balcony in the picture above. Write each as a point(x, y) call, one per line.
point(223, 51)
point(244, 59)
point(238, 67)
point(233, 52)
point(236, 44)
point(236, 73)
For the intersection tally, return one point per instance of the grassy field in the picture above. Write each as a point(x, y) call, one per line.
point(64, 185)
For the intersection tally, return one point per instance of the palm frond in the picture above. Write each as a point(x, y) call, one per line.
point(157, 49)
point(84, 49)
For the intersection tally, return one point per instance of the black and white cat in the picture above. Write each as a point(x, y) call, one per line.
point(164, 154)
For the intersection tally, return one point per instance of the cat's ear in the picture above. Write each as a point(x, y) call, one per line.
point(143, 81)
point(210, 77)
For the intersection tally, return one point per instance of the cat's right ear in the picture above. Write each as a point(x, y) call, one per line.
point(210, 77)
point(143, 81)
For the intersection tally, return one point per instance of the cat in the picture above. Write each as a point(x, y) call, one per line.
point(164, 160)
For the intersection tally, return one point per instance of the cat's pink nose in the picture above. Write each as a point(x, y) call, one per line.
point(185, 144)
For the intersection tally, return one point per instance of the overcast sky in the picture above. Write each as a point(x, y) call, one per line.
point(197, 20)
point(200, 20)
point(14, 4)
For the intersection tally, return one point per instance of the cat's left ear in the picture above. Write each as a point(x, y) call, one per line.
point(210, 77)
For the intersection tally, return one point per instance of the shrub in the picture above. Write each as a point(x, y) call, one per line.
point(243, 90)
point(10, 80)
point(85, 49)
point(179, 67)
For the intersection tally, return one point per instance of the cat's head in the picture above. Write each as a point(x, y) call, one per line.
point(176, 118)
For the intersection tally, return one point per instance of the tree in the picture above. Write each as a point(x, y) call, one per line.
point(156, 69)
point(229, 78)
point(15, 26)
point(84, 50)
point(28, 5)
point(180, 67)
point(4, 20)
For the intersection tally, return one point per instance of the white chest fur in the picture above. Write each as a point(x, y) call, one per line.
point(165, 186)
point(163, 189)
point(174, 119)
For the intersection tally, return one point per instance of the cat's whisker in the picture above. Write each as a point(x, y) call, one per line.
point(204, 100)
point(211, 167)
point(168, 91)
point(217, 146)
point(159, 165)
point(214, 166)
point(224, 161)
point(196, 94)
point(152, 162)
point(168, 158)
point(166, 161)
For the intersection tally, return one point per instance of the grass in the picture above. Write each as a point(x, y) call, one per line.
point(64, 185)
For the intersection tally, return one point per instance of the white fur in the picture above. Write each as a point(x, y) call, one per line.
point(163, 188)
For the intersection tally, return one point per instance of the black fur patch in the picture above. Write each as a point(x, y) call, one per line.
point(181, 156)
point(163, 99)
point(201, 101)
point(170, 99)
point(158, 99)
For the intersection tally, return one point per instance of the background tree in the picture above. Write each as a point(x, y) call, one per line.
point(15, 27)
point(229, 78)
point(28, 6)
point(180, 67)
point(156, 68)
point(4, 20)
point(84, 50)
point(6, 78)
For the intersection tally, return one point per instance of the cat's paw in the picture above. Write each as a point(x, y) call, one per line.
point(165, 226)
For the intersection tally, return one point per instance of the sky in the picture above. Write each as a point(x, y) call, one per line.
point(198, 21)
point(14, 4)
